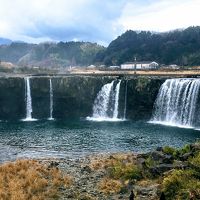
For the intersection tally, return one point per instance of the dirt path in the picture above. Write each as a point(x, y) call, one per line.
point(161, 73)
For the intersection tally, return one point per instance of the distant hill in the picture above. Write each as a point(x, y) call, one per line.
point(181, 47)
point(5, 41)
point(14, 51)
point(62, 54)
point(50, 54)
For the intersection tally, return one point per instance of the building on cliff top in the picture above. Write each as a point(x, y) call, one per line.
point(140, 65)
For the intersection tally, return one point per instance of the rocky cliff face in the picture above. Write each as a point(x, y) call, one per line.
point(141, 95)
point(12, 105)
point(73, 96)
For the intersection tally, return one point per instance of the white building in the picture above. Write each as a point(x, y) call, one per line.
point(140, 65)
point(91, 67)
point(114, 67)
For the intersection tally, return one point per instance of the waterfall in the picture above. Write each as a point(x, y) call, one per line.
point(116, 105)
point(50, 101)
point(101, 102)
point(28, 100)
point(106, 104)
point(125, 100)
point(176, 103)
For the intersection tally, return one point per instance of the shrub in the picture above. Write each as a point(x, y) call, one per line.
point(169, 150)
point(185, 149)
point(150, 162)
point(180, 184)
point(125, 171)
point(142, 83)
point(195, 161)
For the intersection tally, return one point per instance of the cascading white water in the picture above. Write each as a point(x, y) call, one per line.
point(116, 105)
point(106, 104)
point(51, 101)
point(176, 102)
point(28, 100)
point(101, 102)
point(125, 100)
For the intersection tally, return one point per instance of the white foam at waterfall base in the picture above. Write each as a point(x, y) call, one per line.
point(176, 103)
point(29, 119)
point(50, 118)
point(104, 104)
point(165, 123)
point(105, 119)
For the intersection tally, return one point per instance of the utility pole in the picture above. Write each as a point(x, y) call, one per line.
point(135, 66)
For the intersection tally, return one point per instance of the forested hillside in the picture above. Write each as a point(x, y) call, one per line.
point(50, 54)
point(180, 47)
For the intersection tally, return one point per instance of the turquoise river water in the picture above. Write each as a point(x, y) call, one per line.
point(78, 138)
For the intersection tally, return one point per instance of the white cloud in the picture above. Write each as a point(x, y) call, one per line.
point(161, 15)
point(92, 20)
point(82, 19)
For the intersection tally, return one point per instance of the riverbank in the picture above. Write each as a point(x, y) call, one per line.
point(112, 176)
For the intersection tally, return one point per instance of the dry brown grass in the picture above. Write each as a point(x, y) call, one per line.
point(161, 72)
point(30, 180)
point(119, 170)
point(148, 182)
point(106, 162)
point(110, 186)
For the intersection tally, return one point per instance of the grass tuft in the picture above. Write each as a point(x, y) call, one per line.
point(30, 180)
point(110, 186)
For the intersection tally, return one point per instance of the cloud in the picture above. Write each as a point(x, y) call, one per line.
point(92, 20)
point(161, 15)
point(89, 20)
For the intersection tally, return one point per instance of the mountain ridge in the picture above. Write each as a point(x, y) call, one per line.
point(181, 47)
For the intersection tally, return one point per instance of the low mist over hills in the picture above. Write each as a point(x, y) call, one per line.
point(50, 54)
point(181, 47)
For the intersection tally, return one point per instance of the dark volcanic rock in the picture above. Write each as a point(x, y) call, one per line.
point(12, 99)
point(73, 96)
point(185, 156)
point(159, 149)
point(160, 169)
point(142, 92)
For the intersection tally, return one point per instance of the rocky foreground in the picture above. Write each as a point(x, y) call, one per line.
point(175, 172)
point(114, 176)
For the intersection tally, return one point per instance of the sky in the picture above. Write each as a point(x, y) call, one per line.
point(98, 21)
